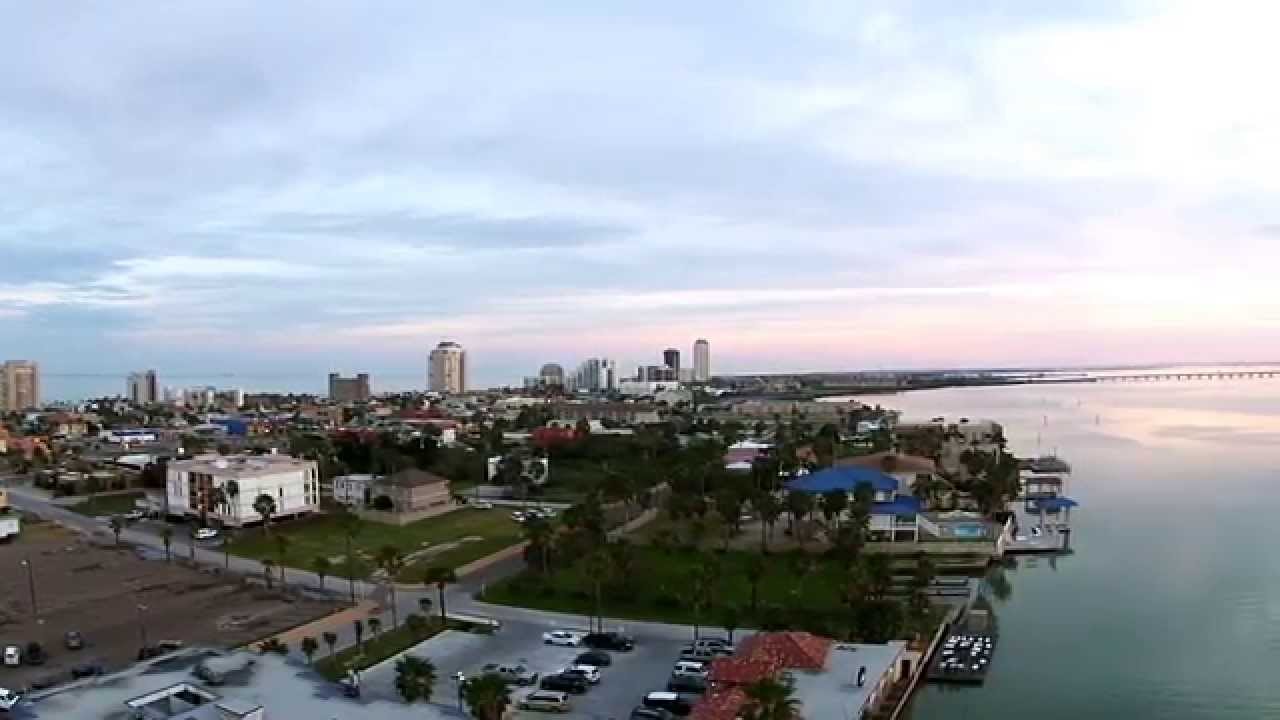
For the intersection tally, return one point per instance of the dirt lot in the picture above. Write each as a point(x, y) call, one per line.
point(98, 589)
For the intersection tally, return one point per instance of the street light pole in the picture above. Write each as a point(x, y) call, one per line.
point(142, 626)
point(459, 679)
point(31, 585)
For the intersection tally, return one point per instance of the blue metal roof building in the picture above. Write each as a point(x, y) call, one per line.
point(846, 479)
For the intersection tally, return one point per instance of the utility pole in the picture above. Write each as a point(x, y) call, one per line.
point(31, 585)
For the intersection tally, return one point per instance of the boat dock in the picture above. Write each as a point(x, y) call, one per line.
point(966, 655)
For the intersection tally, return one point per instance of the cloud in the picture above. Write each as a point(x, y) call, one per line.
point(808, 184)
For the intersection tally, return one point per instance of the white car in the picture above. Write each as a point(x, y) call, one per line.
point(518, 516)
point(687, 668)
point(9, 699)
point(12, 656)
point(566, 638)
point(206, 533)
point(482, 505)
point(134, 515)
point(590, 673)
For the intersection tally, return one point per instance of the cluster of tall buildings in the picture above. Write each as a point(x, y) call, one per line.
point(19, 386)
point(599, 374)
point(672, 371)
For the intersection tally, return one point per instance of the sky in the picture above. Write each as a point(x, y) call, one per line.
point(281, 189)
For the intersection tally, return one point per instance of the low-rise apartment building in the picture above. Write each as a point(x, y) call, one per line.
point(225, 488)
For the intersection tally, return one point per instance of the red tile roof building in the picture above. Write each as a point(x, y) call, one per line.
point(760, 656)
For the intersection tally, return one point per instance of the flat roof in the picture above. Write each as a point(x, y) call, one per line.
point(834, 692)
point(283, 689)
point(239, 465)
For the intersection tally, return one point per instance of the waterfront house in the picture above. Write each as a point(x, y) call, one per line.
point(893, 508)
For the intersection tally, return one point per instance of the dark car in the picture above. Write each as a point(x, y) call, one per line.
point(609, 641)
point(674, 703)
point(85, 670)
point(564, 683)
point(650, 713)
point(35, 654)
point(73, 640)
point(598, 658)
point(686, 684)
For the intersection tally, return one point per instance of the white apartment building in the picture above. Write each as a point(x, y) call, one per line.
point(447, 368)
point(293, 483)
point(701, 361)
point(142, 388)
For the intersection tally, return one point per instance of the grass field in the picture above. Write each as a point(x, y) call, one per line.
point(661, 589)
point(375, 649)
point(106, 504)
point(320, 536)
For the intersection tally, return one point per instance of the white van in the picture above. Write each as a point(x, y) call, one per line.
point(12, 655)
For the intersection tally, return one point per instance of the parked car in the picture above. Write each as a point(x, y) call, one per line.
point(546, 700)
point(85, 670)
point(567, 638)
point(206, 533)
point(689, 668)
point(599, 658)
point(609, 641)
point(564, 683)
point(674, 703)
point(590, 673)
point(650, 713)
point(697, 654)
point(518, 516)
point(481, 505)
point(36, 654)
point(12, 655)
point(73, 640)
point(688, 684)
point(720, 645)
point(134, 515)
point(516, 674)
point(9, 699)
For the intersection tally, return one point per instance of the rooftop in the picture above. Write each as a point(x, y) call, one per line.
point(846, 479)
point(413, 477)
point(239, 465)
point(890, 462)
point(282, 688)
point(834, 693)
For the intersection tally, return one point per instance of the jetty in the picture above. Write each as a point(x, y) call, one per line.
point(965, 656)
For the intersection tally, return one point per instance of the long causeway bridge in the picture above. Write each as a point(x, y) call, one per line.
point(1210, 375)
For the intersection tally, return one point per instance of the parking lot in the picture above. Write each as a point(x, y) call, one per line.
point(623, 684)
point(119, 602)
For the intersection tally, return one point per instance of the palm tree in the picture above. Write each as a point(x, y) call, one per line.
point(267, 564)
point(879, 574)
point(834, 504)
point(166, 537)
point(231, 490)
point(117, 526)
point(282, 552)
point(769, 510)
point(226, 549)
point(349, 525)
point(487, 696)
point(799, 504)
point(415, 678)
point(321, 566)
point(309, 647)
point(440, 577)
point(730, 619)
point(375, 625)
point(265, 506)
point(330, 639)
point(539, 533)
point(771, 699)
point(358, 626)
point(391, 561)
point(755, 573)
point(597, 568)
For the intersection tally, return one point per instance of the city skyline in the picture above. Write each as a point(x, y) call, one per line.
point(892, 188)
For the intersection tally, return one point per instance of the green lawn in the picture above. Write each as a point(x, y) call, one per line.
point(796, 590)
point(376, 649)
point(106, 504)
point(320, 536)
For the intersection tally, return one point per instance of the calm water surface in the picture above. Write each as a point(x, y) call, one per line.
point(1170, 605)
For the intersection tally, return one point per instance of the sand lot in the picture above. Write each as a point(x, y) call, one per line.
point(114, 598)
